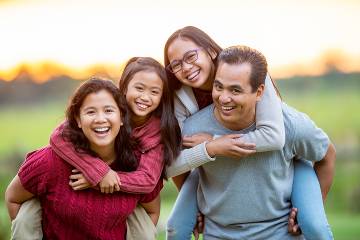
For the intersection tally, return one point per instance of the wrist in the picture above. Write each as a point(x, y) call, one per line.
point(210, 149)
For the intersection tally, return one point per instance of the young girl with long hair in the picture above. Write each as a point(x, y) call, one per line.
point(95, 126)
point(190, 57)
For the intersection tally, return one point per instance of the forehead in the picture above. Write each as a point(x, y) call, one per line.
point(234, 74)
point(98, 99)
point(147, 78)
point(179, 47)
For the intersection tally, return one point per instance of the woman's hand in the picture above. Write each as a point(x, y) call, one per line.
point(293, 227)
point(230, 146)
point(110, 182)
point(78, 181)
point(196, 139)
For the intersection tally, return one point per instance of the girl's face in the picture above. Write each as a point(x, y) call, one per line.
point(143, 95)
point(197, 74)
point(99, 119)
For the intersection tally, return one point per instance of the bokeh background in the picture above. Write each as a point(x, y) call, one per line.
point(48, 47)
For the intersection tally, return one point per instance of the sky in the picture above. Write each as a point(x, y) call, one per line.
point(295, 36)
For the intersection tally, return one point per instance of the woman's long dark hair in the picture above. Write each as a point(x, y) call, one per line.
point(125, 158)
point(170, 130)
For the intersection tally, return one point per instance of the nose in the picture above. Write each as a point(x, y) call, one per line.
point(100, 117)
point(145, 97)
point(224, 97)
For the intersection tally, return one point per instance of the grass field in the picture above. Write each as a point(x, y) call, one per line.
point(26, 128)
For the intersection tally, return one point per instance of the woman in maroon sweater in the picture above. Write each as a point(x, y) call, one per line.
point(95, 127)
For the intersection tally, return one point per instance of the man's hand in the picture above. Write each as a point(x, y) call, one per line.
point(110, 182)
point(199, 226)
point(196, 139)
point(293, 227)
point(230, 146)
point(78, 181)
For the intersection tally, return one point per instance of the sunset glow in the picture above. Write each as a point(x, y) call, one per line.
point(78, 38)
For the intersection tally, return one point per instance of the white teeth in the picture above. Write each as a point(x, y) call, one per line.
point(193, 75)
point(226, 108)
point(143, 106)
point(101, 130)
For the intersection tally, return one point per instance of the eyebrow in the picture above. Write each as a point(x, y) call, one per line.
point(106, 106)
point(230, 87)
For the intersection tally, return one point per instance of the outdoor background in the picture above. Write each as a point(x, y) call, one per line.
point(48, 47)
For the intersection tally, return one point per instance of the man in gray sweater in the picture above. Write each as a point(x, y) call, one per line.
point(249, 198)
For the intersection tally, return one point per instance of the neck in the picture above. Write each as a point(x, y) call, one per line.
point(107, 154)
point(137, 121)
point(207, 86)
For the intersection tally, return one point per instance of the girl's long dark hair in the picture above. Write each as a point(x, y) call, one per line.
point(125, 158)
point(170, 130)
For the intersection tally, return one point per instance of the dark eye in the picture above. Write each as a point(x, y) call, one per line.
point(109, 110)
point(191, 57)
point(236, 91)
point(138, 88)
point(218, 87)
point(175, 65)
point(155, 92)
point(90, 112)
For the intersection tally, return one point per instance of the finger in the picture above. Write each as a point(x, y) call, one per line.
point(75, 171)
point(290, 225)
point(250, 146)
point(240, 152)
point(187, 144)
point(75, 176)
point(74, 184)
point(196, 234)
point(111, 189)
point(117, 187)
point(234, 136)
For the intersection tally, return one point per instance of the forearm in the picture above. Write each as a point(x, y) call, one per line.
point(153, 209)
point(145, 178)
point(189, 159)
point(270, 132)
point(325, 170)
point(94, 169)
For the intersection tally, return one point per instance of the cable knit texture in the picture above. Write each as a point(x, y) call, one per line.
point(69, 214)
point(149, 152)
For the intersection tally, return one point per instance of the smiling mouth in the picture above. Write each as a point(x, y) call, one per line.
point(193, 75)
point(102, 130)
point(142, 106)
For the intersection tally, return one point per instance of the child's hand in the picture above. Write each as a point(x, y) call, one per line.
point(196, 139)
point(293, 227)
point(110, 182)
point(78, 181)
point(230, 146)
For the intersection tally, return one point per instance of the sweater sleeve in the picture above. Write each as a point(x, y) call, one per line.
point(148, 173)
point(94, 169)
point(189, 159)
point(270, 131)
point(145, 198)
point(34, 172)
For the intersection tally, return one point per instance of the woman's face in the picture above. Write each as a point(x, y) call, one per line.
point(143, 95)
point(100, 121)
point(197, 74)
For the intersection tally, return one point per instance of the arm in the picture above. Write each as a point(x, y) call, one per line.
point(270, 133)
point(325, 170)
point(15, 195)
point(96, 171)
point(153, 209)
point(147, 175)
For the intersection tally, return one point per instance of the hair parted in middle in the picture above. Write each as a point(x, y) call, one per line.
point(170, 130)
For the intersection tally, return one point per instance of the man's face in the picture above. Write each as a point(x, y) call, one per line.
point(233, 96)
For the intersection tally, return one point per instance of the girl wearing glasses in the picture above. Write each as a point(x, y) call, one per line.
point(190, 58)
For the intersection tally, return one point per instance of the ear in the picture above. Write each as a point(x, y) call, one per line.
point(78, 122)
point(212, 53)
point(260, 92)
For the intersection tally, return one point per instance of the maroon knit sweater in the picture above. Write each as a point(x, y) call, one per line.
point(69, 214)
point(150, 152)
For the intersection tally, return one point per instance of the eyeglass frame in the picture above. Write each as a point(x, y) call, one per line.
point(169, 68)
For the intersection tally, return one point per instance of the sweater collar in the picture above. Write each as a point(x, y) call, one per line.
point(148, 135)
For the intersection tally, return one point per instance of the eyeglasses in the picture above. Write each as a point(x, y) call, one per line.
point(189, 57)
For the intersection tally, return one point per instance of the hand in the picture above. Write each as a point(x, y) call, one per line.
point(196, 139)
point(78, 181)
point(230, 146)
point(199, 226)
point(110, 182)
point(293, 227)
